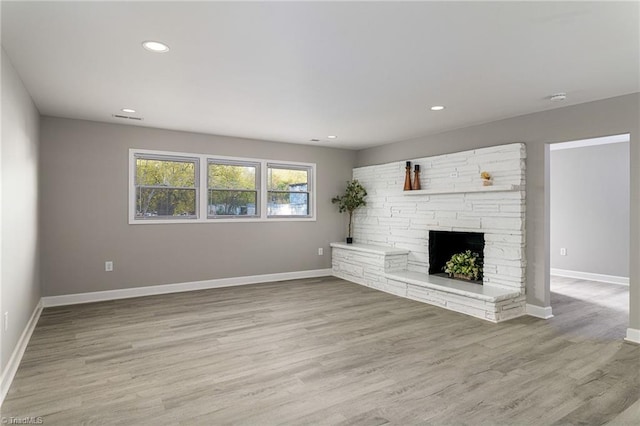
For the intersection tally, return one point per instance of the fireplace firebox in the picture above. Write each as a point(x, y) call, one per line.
point(444, 244)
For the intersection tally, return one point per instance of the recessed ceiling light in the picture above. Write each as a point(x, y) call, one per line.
point(128, 110)
point(332, 137)
point(437, 108)
point(558, 97)
point(155, 46)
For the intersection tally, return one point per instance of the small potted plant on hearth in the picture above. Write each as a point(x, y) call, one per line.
point(352, 199)
point(465, 265)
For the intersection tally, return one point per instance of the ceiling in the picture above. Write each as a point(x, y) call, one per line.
point(294, 71)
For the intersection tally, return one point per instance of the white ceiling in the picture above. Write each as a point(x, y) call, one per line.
point(293, 71)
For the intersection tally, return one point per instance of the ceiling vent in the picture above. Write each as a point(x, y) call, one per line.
point(558, 97)
point(127, 117)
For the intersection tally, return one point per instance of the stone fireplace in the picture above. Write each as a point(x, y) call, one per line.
point(402, 230)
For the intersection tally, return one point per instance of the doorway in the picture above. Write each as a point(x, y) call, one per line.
point(589, 227)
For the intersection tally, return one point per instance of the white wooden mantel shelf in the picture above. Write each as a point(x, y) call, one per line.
point(464, 189)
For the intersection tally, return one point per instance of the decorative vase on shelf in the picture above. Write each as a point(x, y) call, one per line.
point(407, 177)
point(416, 177)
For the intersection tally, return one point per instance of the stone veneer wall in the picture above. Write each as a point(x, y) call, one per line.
point(454, 201)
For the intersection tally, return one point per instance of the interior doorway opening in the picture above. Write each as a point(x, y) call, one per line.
point(588, 211)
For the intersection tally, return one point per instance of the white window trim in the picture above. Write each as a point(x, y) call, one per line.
point(186, 158)
point(258, 190)
point(202, 189)
point(310, 185)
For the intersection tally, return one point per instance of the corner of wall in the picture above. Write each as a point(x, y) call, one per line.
point(20, 289)
point(14, 361)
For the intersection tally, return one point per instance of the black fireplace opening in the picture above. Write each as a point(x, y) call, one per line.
point(444, 244)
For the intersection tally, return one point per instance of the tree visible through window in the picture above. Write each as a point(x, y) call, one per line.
point(288, 190)
point(233, 189)
point(165, 187)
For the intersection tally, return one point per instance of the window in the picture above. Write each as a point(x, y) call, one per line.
point(288, 191)
point(233, 189)
point(173, 187)
point(166, 187)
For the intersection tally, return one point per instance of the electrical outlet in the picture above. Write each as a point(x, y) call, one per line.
point(563, 251)
point(6, 321)
point(320, 251)
point(108, 266)
point(453, 174)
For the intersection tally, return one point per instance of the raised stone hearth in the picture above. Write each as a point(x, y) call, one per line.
point(392, 231)
point(383, 268)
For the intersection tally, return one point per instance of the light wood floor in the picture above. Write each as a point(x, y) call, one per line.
point(326, 351)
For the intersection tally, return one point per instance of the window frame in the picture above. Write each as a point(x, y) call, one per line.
point(284, 166)
point(202, 194)
point(257, 190)
point(158, 156)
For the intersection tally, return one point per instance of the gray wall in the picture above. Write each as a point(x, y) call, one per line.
point(84, 167)
point(19, 278)
point(590, 209)
point(602, 118)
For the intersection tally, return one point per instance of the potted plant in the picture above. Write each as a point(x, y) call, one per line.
point(486, 178)
point(352, 199)
point(465, 265)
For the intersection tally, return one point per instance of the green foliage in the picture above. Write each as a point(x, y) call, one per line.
point(466, 263)
point(232, 203)
point(165, 187)
point(231, 176)
point(352, 199)
point(232, 189)
point(282, 179)
point(179, 174)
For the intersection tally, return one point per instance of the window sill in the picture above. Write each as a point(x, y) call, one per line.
point(211, 221)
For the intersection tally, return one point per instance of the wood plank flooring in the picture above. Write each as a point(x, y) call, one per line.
point(326, 351)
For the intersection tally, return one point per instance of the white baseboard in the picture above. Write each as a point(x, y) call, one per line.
point(633, 335)
point(543, 312)
point(99, 296)
point(612, 279)
point(14, 362)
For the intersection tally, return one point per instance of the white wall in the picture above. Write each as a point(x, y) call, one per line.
point(19, 282)
point(590, 209)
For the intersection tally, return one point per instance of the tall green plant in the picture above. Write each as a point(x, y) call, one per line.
point(352, 199)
